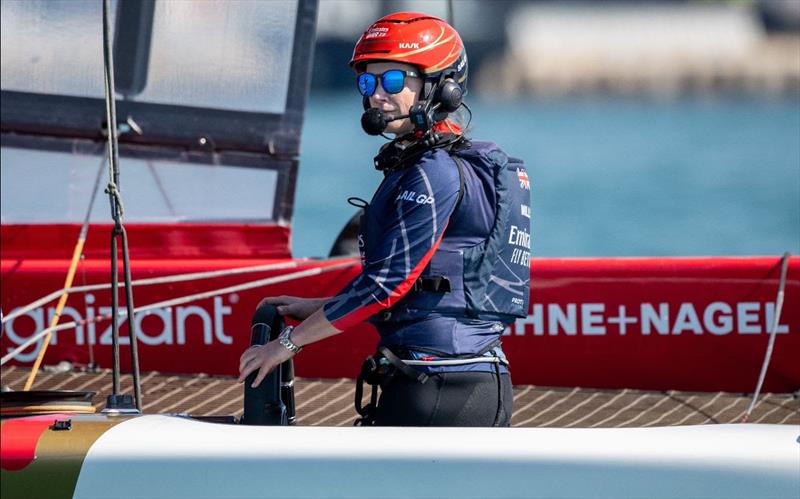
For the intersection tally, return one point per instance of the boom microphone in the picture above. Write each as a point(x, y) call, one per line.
point(374, 122)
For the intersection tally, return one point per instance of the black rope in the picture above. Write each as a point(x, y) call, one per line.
point(117, 213)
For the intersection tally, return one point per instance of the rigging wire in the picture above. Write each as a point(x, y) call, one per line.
point(268, 281)
point(450, 20)
point(77, 255)
point(87, 218)
point(157, 178)
point(773, 331)
point(149, 281)
point(91, 366)
point(118, 232)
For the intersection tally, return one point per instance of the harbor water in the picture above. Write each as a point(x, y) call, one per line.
point(610, 176)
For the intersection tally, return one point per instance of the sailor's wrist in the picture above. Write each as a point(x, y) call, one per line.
point(287, 342)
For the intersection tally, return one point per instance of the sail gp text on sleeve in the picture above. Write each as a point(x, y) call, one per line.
point(598, 319)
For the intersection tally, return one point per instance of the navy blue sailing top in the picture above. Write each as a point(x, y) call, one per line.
point(415, 213)
point(401, 229)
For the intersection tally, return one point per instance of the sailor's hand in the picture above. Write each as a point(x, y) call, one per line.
point(294, 306)
point(262, 358)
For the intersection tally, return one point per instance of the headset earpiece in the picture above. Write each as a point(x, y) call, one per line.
point(449, 95)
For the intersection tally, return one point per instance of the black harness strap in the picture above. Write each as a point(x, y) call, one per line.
point(372, 372)
point(369, 374)
point(401, 366)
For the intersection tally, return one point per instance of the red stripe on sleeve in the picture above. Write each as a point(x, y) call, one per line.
point(364, 313)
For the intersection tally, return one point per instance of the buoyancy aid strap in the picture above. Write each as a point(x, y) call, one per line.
point(438, 353)
point(437, 284)
point(446, 359)
point(455, 362)
point(460, 180)
point(441, 284)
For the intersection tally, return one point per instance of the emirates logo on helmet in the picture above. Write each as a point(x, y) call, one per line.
point(377, 32)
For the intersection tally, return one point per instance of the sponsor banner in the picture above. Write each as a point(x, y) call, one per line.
point(649, 323)
point(205, 336)
point(594, 319)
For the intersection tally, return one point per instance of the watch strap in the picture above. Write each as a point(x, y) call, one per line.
point(285, 339)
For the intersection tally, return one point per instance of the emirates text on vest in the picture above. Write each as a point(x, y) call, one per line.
point(519, 237)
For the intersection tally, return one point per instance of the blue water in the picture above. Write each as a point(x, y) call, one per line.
point(610, 177)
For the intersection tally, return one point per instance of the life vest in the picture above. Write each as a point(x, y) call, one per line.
point(489, 278)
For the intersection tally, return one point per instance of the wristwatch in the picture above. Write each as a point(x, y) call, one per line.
point(285, 339)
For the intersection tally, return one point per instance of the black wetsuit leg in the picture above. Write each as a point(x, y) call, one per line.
point(446, 399)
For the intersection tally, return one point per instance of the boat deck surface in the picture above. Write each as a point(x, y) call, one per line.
point(329, 402)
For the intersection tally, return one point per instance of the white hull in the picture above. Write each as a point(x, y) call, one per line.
point(162, 456)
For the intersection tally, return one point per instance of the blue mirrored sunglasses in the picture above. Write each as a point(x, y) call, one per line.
point(392, 81)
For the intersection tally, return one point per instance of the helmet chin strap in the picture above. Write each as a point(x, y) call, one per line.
point(404, 150)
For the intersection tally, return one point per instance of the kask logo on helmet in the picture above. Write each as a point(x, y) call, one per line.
point(408, 45)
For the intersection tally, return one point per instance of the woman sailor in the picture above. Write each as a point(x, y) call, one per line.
point(445, 243)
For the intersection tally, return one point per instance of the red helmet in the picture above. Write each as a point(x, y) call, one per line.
point(413, 38)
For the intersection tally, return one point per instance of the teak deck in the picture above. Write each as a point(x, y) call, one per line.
point(330, 402)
